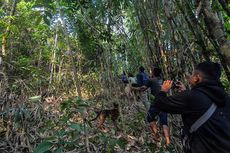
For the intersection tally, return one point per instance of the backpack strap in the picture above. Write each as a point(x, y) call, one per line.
point(203, 118)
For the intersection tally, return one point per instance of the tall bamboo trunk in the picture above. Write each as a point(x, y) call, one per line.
point(218, 35)
point(76, 78)
point(4, 37)
point(216, 30)
point(3, 51)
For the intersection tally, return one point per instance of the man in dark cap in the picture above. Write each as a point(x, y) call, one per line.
point(205, 110)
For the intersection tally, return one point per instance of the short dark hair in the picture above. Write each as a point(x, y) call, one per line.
point(141, 69)
point(210, 70)
point(156, 71)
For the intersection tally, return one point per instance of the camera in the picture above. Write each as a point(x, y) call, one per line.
point(175, 85)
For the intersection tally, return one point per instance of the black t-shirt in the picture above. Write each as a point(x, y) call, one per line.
point(154, 85)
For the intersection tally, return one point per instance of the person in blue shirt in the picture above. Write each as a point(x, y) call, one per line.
point(124, 78)
point(142, 79)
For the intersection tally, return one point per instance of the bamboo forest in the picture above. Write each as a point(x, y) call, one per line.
point(70, 69)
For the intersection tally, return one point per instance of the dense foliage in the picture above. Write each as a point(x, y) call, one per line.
point(61, 59)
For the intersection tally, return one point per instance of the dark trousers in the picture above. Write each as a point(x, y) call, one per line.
point(154, 112)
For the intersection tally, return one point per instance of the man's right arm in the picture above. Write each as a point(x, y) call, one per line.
point(176, 104)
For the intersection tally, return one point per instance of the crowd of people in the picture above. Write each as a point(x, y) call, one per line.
point(205, 107)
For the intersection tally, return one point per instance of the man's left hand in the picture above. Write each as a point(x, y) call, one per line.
point(166, 85)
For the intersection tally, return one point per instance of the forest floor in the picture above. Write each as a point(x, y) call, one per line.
point(60, 124)
point(136, 131)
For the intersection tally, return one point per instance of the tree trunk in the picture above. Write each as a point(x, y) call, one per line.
point(53, 58)
point(76, 77)
point(4, 37)
point(192, 22)
point(216, 30)
point(4, 41)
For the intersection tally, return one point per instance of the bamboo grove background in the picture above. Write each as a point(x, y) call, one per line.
point(60, 60)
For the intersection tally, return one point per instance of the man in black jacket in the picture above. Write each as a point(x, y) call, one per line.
point(213, 136)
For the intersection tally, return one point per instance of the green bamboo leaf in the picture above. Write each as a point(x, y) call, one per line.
point(35, 98)
point(122, 142)
point(75, 126)
point(59, 150)
point(39, 19)
point(43, 147)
